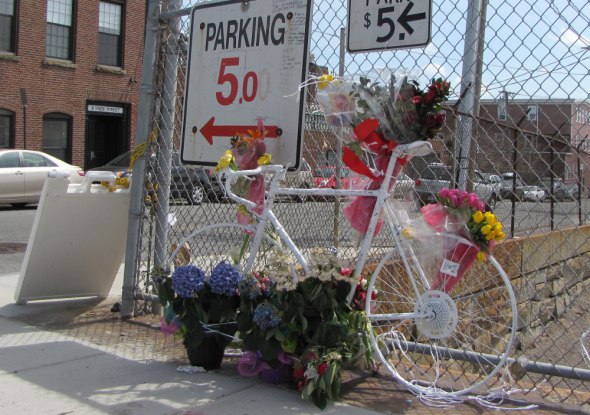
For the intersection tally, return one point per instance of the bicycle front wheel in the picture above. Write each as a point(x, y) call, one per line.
point(206, 247)
point(435, 342)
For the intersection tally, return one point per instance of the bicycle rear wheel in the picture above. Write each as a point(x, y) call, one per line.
point(463, 336)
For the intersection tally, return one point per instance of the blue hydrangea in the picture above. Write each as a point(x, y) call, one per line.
point(225, 279)
point(266, 316)
point(188, 280)
point(250, 288)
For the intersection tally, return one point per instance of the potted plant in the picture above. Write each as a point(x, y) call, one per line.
point(202, 310)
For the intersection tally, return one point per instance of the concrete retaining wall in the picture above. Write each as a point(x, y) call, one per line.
point(548, 271)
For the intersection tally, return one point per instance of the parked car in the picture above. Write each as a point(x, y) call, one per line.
point(404, 187)
point(558, 191)
point(437, 176)
point(325, 177)
point(23, 174)
point(496, 181)
point(573, 191)
point(512, 188)
point(194, 184)
point(533, 194)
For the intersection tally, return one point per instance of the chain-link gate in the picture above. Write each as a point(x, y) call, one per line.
point(517, 128)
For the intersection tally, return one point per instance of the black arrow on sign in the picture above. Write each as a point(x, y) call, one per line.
point(406, 17)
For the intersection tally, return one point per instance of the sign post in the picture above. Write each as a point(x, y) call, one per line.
point(375, 25)
point(246, 63)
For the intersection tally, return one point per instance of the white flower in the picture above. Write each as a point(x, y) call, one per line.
point(311, 373)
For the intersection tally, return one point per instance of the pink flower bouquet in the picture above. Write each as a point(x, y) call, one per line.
point(463, 214)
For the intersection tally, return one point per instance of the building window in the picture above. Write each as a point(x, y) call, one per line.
point(57, 136)
point(6, 129)
point(59, 38)
point(110, 38)
point(502, 110)
point(532, 112)
point(7, 25)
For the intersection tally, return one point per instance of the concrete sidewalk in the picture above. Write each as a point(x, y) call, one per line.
point(78, 357)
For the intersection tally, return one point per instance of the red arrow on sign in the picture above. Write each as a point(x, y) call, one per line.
point(210, 130)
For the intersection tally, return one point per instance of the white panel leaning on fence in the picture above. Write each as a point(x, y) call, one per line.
point(77, 241)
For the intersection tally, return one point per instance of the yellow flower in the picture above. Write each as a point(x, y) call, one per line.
point(490, 218)
point(481, 256)
point(498, 226)
point(264, 159)
point(224, 161)
point(408, 233)
point(490, 235)
point(485, 229)
point(325, 80)
point(477, 216)
point(500, 235)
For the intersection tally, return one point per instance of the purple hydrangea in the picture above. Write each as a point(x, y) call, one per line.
point(225, 279)
point(188, 280)
point(266, 316)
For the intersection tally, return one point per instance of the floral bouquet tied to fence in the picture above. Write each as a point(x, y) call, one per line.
point(381, 117)
point(247, 153)
point(464, 214)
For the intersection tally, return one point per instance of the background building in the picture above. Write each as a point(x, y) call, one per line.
point(69, 75)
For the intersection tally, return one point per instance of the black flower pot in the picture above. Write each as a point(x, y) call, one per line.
point(209, 352)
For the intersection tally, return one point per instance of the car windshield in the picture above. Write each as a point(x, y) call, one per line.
point(122, 160)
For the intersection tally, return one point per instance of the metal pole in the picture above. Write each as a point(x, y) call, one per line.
point(164, 161)
point(338, 162)
point(514, 171)
point(531, 366)
point(23, 98)
point(579, 173)
point(472, 58)
point(144, 112)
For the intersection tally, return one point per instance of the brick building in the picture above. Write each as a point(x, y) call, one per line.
point(69, 75)
point(534, 137)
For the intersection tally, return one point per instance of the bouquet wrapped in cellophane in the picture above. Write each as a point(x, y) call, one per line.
point(381, 117)
point(464, 214)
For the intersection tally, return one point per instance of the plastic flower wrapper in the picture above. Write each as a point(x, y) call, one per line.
point(418, 233)
point(405, 112)
point(463, 214)
point(247, 153)
point(337, 99)
point(381, 117)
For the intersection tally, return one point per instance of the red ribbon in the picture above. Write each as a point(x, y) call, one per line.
point(366, 133)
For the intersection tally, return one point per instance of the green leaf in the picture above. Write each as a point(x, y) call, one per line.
point(308, 389)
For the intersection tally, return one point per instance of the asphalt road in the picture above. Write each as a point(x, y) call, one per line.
point(311, 219)
point(15, 229)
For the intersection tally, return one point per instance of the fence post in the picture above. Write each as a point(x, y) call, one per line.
point(144, 112)
point(470, 78)
point(166, 125)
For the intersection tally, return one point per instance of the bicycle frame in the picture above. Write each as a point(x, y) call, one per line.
point(419, 148)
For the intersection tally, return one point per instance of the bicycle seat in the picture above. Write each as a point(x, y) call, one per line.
point(417, 148)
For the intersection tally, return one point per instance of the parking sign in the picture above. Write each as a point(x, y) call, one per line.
point(246, 63)
point(375, 25)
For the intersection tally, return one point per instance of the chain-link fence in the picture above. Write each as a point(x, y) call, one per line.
point(517, 131)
